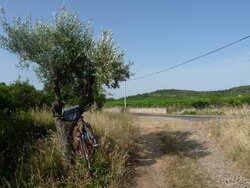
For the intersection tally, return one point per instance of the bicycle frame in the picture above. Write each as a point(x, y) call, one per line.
point(80, 135)
point(81, 139)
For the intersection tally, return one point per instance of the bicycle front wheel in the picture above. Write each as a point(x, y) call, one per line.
point(92, 138)
point(84, 153)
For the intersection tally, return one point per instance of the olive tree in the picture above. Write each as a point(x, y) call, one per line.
point(67, 57)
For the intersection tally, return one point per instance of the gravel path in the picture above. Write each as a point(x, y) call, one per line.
point(211, 162)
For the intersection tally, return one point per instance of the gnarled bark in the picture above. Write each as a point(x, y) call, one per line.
point(64, 129)
point(65, 136)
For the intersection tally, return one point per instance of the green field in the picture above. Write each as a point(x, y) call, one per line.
point(233, 97)
point(198, 102)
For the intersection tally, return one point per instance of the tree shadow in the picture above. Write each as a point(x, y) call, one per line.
point(179, 142)
point(156, 145)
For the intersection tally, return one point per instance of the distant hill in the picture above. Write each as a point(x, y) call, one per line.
point(173, 93)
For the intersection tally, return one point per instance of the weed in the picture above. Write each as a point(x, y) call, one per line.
point(234, 138)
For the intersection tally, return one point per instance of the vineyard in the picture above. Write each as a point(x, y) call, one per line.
point(178, 99)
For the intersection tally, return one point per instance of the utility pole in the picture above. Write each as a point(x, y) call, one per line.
point(125, 95)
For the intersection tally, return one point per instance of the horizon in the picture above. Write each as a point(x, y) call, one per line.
point(108, 97)
point(181, 90)
point(157, 35)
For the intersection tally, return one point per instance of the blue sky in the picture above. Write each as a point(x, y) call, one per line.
point(157, 35)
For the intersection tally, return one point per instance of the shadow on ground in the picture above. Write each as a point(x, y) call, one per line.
point(154, 146)
point(179, 142)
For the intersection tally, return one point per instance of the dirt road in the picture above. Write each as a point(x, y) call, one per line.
point(209, 161)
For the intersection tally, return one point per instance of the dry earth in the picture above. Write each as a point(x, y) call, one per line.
point(150, 165)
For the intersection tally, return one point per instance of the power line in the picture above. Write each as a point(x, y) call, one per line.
point(193, 59)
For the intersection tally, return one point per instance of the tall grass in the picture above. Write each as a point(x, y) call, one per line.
point(41, 164)
point(114, 127)
point(233, 135)
point(17, 132)
point(117, 141)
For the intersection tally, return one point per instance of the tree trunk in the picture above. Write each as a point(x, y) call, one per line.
point(64, 129)
point(87, 94)
point(65, 135)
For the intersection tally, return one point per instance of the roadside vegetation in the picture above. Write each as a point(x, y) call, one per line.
point(243, 110)
point(30, 155)
point(234, 101)
point(233, 136)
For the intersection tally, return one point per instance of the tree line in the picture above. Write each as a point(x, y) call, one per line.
point(22, 96)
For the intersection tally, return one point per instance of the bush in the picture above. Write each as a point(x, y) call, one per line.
point(216, 101)
point(245, 100)
point(22, 96)
point(25, 96)
point(100, 100)
point(234, 102)
point(200, 104)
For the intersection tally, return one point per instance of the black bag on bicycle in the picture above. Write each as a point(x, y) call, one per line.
point(72, 114)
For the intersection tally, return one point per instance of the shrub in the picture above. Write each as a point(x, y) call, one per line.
point(21, 96)
point(200, 104)
point(216, 101)
point(5, 97)
point(245, 100)
point(234, 102)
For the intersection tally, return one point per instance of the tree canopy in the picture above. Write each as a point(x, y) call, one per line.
point(64, 48)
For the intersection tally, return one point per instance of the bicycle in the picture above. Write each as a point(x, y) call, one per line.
point(86, 140)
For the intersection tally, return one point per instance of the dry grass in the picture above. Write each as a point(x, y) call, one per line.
point(181, 172)
point(233, 135)
point(41, 164)
point(116, 136)
point(226, 111)
point(114, 126)
point(42, 115)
